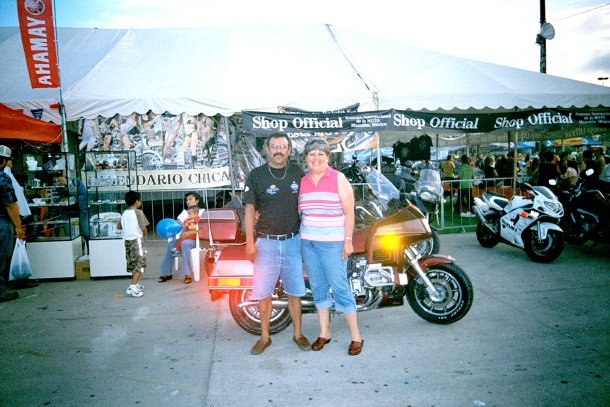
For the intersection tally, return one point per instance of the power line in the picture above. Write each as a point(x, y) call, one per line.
point(583, 12)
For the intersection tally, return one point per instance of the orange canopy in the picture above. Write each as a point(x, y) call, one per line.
point(16, 125)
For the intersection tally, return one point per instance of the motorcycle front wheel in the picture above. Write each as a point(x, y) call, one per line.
point(542, 251)
point(572, 230)
point(430, 246)
point(455, 294)
point(248, 316)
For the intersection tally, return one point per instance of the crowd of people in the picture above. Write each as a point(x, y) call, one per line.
point(566, 167)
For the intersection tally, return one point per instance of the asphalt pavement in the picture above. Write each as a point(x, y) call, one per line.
point(537, 335)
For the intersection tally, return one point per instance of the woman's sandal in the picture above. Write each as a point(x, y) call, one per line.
point(188, 279)
point(163, 279)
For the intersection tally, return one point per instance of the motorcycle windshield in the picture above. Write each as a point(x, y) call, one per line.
point(382, 187)
point(429, 180)
point(544, 191)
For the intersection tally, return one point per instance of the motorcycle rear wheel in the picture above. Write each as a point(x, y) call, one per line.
point(486, 237)
point(543, 251)
point(248, 317)
point(454, 287)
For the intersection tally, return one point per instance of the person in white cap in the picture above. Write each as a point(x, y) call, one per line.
point(10, 225)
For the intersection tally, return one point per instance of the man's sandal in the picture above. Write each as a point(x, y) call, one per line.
point(188, 279)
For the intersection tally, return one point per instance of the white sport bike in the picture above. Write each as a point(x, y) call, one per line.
point(528, 222)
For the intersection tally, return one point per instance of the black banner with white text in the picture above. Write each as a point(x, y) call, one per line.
point(542, 120)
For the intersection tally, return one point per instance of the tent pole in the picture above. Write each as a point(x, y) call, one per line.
point(437, 166)
point(515, 164)
point(62, 108)
point(228, 133)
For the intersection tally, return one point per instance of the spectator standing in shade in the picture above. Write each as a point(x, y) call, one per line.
point(10, 225)
point(448, 168)
point(466, 175)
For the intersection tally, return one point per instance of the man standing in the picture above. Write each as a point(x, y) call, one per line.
point(24, 212)
point(448, 168)
point(10, 225)
point(272, 193)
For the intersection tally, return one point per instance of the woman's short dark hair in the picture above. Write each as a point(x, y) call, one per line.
point(316, 144)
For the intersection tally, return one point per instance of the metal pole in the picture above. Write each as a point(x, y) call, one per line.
point(228, 134)
point(541, 40)
point(62, 108)
point(515, 164)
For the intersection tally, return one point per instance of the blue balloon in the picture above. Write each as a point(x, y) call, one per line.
point(167, 228)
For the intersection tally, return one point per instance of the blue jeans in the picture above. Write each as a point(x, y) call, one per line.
point(326, 268)
point(7, 237)
point(168, 260)
point(277, 259)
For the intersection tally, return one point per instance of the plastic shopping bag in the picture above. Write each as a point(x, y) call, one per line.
point(20, 265)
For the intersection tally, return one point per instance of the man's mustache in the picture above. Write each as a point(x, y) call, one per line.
point(280, 154)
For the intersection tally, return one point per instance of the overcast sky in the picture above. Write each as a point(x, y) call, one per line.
point(497, 31)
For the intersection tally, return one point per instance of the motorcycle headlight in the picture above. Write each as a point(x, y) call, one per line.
point(389, 242)
point(429, 196)
point(554, 206)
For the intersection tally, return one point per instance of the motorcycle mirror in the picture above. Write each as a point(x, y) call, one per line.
point(553, 182)
point(589, 172)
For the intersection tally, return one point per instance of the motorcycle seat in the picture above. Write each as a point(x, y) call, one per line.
point(495, 199)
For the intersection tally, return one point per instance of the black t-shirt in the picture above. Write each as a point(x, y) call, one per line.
point(275, 197)
point(546, 172)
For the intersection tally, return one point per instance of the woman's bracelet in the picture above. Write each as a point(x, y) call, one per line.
point(348, 238)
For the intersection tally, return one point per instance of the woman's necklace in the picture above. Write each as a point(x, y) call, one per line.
point(283, 176)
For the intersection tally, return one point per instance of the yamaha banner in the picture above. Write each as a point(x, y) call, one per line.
point(396, 120)
point(38, 38)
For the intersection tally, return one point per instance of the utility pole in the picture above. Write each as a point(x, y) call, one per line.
point(547, 32)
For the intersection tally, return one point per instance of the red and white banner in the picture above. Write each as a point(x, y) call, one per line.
point(38, 38)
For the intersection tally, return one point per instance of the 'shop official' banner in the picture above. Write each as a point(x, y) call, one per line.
point(291, 123)
point(38, 38)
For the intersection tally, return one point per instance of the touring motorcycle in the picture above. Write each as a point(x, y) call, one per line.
point(376, 197)
point(384, 268)
point(527, 222)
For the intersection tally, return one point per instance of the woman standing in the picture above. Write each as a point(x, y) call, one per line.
point(326, 204)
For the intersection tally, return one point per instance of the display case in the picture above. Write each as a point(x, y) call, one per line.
point(108, 175)
point(52, 233)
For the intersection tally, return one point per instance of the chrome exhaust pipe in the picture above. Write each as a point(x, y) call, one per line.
point(281, 303)
point(481, 217)
point(478, 212)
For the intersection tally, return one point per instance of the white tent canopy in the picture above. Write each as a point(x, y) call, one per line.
point(224, 70)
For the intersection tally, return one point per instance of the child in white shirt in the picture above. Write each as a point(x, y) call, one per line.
point(134, 223)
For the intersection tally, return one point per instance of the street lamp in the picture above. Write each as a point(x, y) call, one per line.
point(602, 78)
